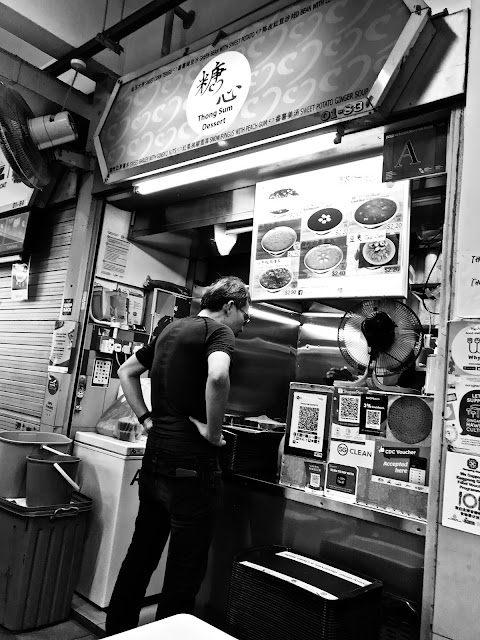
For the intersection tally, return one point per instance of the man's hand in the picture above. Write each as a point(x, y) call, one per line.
point(147, 425)
point(203, 431)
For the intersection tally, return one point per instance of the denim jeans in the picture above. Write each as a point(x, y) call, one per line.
point(180, 496)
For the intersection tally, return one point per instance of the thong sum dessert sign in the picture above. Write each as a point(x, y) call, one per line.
point(305, 66)
point(337, 232)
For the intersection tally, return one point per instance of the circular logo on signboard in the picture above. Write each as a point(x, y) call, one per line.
point(218, 93)
point(466, 349)
point(472, 463)
point(342, 449)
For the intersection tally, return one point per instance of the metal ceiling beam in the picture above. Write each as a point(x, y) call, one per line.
point(45, 41)
point(117, 32)
point(34, 80)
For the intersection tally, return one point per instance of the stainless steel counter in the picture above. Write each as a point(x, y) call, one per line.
point(361, 512)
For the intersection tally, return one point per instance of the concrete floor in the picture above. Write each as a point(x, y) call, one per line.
point(69, 630)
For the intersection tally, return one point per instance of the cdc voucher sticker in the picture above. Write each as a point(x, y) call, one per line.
point(461, 500)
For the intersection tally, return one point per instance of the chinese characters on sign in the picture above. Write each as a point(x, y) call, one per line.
point(218, 93)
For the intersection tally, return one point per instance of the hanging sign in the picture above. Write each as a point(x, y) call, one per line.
point(415, 153)
point(337, 232)
point(309, 64)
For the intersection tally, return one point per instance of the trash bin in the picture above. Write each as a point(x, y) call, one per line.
point(50, 479)
point(40, 557)
point(15, 446)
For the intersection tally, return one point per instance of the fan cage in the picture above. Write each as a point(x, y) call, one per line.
point(30, 166)
point(406, 345)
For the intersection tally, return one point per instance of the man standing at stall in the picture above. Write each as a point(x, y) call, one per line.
point(179, 485)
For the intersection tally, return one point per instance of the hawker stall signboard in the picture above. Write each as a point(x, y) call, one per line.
point(307, 65)
point(331, 233)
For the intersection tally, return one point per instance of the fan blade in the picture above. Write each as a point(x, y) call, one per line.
point(403, 347)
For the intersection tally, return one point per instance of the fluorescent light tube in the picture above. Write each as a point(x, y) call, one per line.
point(254, 159)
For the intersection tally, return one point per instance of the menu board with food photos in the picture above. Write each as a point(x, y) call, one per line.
point(336, 232)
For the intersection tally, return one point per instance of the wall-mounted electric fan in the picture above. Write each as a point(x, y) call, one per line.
point(385, 337)
point(25, 139)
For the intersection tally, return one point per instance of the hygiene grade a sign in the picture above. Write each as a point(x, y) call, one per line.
point(309, 64)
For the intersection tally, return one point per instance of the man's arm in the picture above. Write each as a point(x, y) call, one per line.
point(129, 374)
point(216, 396)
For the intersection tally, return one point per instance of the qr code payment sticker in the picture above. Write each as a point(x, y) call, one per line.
point(308, 422)
point(349, 409)
point(373, 418)
point(315, 480)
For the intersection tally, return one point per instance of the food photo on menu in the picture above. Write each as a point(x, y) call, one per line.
point(375, 245)
point(378, 253)
point(279, 239)
point(324, 220)
point(322, 257)
point(283, 201)
point(277, 252)
point(276, 278)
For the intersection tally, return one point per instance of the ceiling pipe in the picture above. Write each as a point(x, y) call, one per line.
point(117, 32)
point(187, 17)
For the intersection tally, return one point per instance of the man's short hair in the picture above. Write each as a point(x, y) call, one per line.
point(223, 290)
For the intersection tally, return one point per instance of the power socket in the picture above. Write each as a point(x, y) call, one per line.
point(106, 345)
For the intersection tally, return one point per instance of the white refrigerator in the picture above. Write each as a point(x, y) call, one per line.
point(108, 473)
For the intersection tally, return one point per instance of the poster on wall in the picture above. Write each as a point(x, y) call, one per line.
point(462, 402)
point(337, 232)
point(62, 344)
point(467, 286)
point(114, 257)
point(461, 497)
point(19, 283)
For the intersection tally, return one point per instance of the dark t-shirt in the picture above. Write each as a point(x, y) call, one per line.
point(177, 360)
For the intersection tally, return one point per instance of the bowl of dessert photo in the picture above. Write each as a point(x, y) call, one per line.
point(324, 220)
point(379, 252)
point(276, 278)
point(375, 212)
point(323, 258)
point(283, 201)
point(278, 240)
